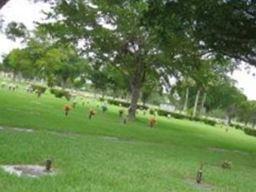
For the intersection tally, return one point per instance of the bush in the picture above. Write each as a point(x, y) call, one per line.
point(104, 108)
point(101, 99)
point(59, 93)
point(125, 104)
point(152, 111)
point(208, 121)
point(119, 103)
point(38, 89)
point(237, 126)
point(161, 112)
point(250, 131)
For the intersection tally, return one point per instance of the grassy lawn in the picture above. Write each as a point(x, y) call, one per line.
point(104, 155)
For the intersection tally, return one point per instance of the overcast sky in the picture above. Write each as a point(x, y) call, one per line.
point(26, 11)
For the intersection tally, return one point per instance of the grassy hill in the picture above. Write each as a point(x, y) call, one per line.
point(103, 154)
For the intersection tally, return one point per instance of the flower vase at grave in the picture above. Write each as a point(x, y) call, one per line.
point(67, 108)
point(152, 122)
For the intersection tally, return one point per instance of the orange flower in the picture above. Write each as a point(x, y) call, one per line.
point(67, 107)
point(152, 121)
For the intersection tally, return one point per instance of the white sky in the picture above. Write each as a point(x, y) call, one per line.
point(26, 11)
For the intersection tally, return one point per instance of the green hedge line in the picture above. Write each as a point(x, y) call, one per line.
point(247, 130)
point(250, 131)
point(237, 126)
point(183, 116)
point(161, 112)
point(59, 93)
point(125, 104)
point(38, 89)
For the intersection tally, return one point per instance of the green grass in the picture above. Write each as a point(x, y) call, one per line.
point(103, 155)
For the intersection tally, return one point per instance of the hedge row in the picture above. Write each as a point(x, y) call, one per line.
point(247, 130)
point(237, 126)
point(183, 116)
point(38, 89)
point(125, 104)
point(161, 112)
point(59, 93)
point(250, 131)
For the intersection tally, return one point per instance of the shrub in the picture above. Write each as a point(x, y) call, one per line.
point(59, 93)
point(152, 111)
point(161, 112)
point(119, 103)
point(250, 131)
point(38, 89)
point(104, 108)
point(125, 104)
point(101, 99)
point(237, 126)
point(208, 121)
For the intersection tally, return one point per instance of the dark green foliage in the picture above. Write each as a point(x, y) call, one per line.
point(250, 131)
point(118, 103)
point(208, 121)
point(237, 126)
point(104, 108)
point(161, 112)
point(223, 27)
point(38, 89)
point(101, 99)
point(125, 104)
point(152, 111)
point(59, 93)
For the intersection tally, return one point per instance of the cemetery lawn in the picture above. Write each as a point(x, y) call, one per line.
point(103, 155)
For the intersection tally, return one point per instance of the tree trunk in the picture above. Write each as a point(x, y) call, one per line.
point(196, 102)
point(203, 102)
point(185, 107)
point(134, 100)
point(136, 83)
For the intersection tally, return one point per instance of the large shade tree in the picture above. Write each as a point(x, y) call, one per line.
point(113, 33)
point(226, 27)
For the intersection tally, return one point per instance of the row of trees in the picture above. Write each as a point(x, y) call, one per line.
point(137, 46)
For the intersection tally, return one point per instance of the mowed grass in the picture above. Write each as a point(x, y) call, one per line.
point(103, 154)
